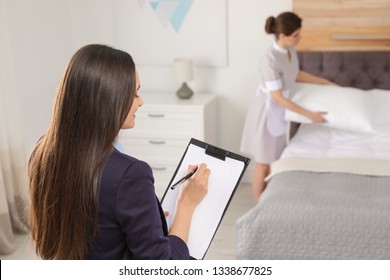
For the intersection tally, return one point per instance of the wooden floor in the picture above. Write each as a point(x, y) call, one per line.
point(222, 247)
point(224, 242)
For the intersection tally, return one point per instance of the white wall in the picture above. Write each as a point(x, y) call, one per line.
point(39, 37)
point(236, 83)
point(45, 33)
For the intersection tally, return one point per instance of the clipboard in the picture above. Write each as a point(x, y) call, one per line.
point(227, 170)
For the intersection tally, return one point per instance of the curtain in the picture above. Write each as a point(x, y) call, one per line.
point(13, 174)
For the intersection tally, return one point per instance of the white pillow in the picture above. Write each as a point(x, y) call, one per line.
point(382, 105)
point(347, 108)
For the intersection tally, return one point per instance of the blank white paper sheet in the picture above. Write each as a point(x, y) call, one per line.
point(224, 178)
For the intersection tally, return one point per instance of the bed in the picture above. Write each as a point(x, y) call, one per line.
point(328, 197)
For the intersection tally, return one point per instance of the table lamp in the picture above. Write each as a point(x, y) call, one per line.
point(183, 68)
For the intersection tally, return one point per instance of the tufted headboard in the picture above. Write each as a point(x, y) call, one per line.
point(364, 70)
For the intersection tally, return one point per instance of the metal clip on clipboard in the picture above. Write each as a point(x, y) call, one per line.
point(216, 152)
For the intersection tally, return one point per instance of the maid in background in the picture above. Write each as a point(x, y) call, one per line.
point(264, 133)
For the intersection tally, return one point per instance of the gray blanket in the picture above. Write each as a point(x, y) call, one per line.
point(309, 215)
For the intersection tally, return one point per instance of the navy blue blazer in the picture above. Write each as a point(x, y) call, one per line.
point(132, 224)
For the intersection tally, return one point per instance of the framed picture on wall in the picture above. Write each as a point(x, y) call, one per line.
point(156, 32)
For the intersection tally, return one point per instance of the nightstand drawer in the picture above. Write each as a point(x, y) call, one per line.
point(167, 122)
point(151, 147)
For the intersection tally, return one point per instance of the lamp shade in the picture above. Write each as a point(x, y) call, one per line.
point(183, 68)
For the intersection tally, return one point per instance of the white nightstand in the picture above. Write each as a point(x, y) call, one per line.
point(163, 127)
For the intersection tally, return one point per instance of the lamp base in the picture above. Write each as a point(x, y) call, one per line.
point(184, 92)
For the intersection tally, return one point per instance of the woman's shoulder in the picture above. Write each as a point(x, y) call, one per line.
point(270, 56)
point(122, 173)
point(273, 54)
point(270, 60)
point(120, 164)
point(124, 160)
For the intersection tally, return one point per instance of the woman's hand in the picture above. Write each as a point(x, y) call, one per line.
point(317, 117)
point(191, 195)
point(196, 187)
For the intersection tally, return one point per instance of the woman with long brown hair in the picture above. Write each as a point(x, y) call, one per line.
point(88, 200)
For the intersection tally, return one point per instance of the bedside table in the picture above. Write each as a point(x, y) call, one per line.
point(163, 127)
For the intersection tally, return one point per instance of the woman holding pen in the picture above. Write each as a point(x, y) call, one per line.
point(88, 200)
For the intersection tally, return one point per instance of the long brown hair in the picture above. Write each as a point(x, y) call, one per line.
point(93, 100)
point(286, 23)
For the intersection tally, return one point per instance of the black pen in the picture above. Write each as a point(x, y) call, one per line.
point(184, 178)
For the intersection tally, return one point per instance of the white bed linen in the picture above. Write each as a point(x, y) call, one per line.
point(320, 141)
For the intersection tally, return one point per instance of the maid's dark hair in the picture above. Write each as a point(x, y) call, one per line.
point(286, 23)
